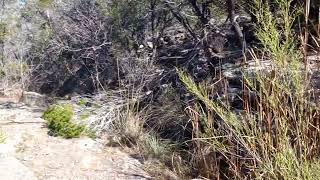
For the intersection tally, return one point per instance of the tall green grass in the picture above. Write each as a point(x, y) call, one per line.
point(276, 136)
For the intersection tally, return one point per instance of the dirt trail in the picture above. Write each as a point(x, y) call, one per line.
point(29, 153)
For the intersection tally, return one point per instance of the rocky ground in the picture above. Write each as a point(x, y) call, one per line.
point(29, 153)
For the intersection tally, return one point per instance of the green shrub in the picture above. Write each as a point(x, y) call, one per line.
point(59, 121)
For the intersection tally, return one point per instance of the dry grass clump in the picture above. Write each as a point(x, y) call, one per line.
point(147, 132)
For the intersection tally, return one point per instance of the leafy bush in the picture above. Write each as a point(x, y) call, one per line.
point(59, 121)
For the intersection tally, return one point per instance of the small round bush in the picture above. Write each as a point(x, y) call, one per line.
point(59, 121)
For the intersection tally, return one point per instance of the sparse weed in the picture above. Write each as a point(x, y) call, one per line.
point(82, 102)
point(84, 115)
point(156, 148)
point(2, 137)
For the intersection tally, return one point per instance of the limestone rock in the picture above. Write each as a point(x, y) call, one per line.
point(34, 99)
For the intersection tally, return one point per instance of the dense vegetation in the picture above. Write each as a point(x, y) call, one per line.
point(219, 89)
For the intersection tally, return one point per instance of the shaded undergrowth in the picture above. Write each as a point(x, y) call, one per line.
point(275, 134)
